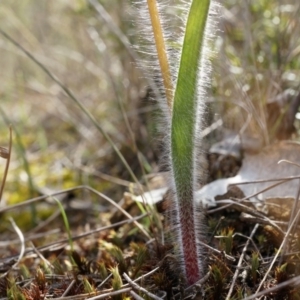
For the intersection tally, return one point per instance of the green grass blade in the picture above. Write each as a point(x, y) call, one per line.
point(66, 222)
point(185, 100)
point(183, 136)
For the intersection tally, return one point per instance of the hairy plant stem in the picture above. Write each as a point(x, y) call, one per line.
point(187, 114)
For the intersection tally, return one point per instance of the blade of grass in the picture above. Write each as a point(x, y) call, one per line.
point(185, 120)
point(66, 222)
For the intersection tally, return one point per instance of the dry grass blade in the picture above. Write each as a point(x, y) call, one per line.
point(5, 154)
point(22, 240)
point(161, 50)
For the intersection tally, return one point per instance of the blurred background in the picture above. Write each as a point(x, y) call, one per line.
point(55, 145)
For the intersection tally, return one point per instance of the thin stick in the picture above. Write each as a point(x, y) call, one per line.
point(161, 50)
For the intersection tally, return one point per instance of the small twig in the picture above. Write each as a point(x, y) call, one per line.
point(236, 273)
point(139, 288)
point(6, 154)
